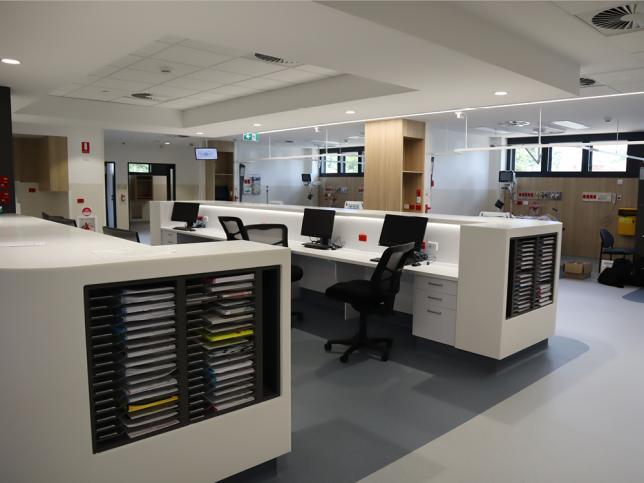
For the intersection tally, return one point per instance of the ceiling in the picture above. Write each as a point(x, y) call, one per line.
point(179, 73)
point(375, 58)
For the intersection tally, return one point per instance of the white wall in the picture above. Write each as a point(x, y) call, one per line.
point(86, 172)
point(464, 184)
point(283, 176)
point(190, 172)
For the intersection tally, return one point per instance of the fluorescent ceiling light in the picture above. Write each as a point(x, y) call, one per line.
point(167, 142)
point(257, 124)
point(355, 137)
point(349, 112)
point(570, 124)
point(11, 61)
point(199, 133)
point(500, 93)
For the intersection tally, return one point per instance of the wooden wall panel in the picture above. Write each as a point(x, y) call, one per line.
point(383, 165)
point(582, 220)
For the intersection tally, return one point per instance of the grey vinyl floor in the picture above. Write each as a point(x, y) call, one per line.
point(350, 420)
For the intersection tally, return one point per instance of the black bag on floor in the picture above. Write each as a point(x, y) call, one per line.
point(618, 274)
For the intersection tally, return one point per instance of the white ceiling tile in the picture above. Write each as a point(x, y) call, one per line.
point(170, 92)
point(183, 103)
point(261, 84)
point(114, 66)
point(294, 75)
point(171, 39)
point(630, 42)
point(209, 96)
point(232, 91)
point(630, 86)
point(218, 76)
point(96, 93)
point(220, 49)
point(156, 65)
point(249, 67)
point(197, 85)
point(316, 70)
point(61, 91)
point(639, 55)
point(131, 86)
point(620, 76)
point(126, 61)
point(187, 55)
point(140, 76)
point(151, 49)
point(596, 91)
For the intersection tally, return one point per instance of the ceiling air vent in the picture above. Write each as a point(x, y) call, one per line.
point(142, 95)
point(274, 60)
point(586, 82)
point(616, 20)
point(515, 123)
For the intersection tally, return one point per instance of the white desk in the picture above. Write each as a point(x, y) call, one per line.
point(460, 300)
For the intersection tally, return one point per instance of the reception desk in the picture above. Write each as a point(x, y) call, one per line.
point(75, 405)
point(491, 288)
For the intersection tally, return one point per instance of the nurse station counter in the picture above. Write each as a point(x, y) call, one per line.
point(491, 289)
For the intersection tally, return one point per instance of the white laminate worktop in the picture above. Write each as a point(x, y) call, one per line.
point(448, 271)
point(31, 243)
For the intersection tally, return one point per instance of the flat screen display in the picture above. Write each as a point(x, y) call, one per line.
point(399, 229)
point(205, 153)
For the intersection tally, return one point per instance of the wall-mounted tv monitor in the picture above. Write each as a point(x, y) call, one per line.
point(205, 153)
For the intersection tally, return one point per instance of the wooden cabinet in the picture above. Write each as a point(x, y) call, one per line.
point(220, 177)
point(395, 165)
point(42, 160)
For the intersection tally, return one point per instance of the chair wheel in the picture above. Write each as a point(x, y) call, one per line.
point(344, 358)
point(327, 346)
point(384, 357)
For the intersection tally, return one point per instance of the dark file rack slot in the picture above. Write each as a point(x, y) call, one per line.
point(153, 368)
point(531, 273)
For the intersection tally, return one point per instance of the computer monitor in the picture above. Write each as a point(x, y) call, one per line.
point(185, 212)
point(205, 153)
point(318, 224)
point(306, 177)
point(399, 229)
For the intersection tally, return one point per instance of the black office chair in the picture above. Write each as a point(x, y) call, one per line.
point(63, 221)
point(233, 227)
point(120, 233)
point(376, 295)
point(270, 233)
point(606, 247)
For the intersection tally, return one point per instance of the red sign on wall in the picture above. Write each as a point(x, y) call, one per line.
point(85, 147)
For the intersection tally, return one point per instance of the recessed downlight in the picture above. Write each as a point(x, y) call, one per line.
point(167, 142)
point(350, 112)
point(199, 133)
point(501, 93)
point(257, 124)
point(10, 61)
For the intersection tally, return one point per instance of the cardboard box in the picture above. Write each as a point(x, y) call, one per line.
point(577, 270)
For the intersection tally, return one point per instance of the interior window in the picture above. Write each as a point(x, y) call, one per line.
point(565, 159)
point(527, 159)
point(331, 163)
point(609, 157)
point(351, 163)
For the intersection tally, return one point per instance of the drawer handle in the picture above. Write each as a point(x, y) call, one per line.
point(435, 298)
point(435, 284)
point(434, 312)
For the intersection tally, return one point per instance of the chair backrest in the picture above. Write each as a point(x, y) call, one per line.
point(386, 276)
point(270, 233)
point(63, 220)
point(234, 228)
point(607, 238)
point(119, 233)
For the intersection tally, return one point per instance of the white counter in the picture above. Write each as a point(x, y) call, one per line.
point(45, 412)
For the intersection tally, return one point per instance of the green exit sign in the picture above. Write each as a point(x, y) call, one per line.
point(250, 136)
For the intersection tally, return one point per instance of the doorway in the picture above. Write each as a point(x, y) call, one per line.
point(110, 193)
point(148, 182)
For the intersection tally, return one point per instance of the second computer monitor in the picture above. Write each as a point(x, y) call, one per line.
point(399, 229)
point(318, 224)
point(185, 212)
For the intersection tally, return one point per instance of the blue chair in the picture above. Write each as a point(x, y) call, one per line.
point(607, 242)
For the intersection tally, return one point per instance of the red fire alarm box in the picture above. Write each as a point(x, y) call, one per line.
point(85, 147)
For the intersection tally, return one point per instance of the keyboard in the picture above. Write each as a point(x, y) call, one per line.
point(317, 246)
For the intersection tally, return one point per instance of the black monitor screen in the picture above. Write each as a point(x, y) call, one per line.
point(318, 223)
point(399, 229)
point(186, 212)
point(306, 177)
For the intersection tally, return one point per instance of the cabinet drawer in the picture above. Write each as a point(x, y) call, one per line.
point(433, 298)
point(168, 238)
point(437, 324)
point(437, 284)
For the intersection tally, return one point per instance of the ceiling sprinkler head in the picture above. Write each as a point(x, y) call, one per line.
point(166, 70)
point(608, 119)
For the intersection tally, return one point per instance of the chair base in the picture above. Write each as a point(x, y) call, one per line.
point(374, 344)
